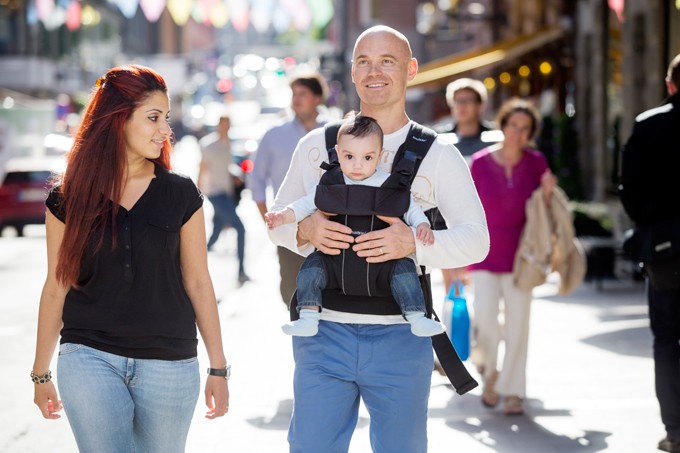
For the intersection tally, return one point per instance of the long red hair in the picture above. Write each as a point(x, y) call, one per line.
point(96, 163)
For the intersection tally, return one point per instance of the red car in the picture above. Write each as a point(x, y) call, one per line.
point(24, 189)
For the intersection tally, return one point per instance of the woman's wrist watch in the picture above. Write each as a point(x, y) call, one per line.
point(222, 372)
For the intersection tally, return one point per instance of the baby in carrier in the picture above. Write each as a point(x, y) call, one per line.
point(359, 146)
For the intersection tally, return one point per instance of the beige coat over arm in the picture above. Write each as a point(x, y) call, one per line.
point(548, 243)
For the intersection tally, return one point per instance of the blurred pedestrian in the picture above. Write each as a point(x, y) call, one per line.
point(273, 159)
point(506, 175)
point(216, 180)
point(649, 191)
point(467, 98)
point(393, 378)
point(127, 280)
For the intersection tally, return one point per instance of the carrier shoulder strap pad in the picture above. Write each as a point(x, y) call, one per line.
point(418, 141)
point(331, 132)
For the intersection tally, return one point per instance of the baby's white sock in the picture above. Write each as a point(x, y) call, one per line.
point(422, 326)
point(306, 326)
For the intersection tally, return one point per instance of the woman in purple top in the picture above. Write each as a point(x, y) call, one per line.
point(506, 174)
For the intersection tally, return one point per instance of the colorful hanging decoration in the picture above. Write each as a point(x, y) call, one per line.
point(203, 10)
point(322, 12)
point(281, 19)
point(152, 9)
point(128, 7)
point(55, 19)
point(239, 14)
point(73, 15)
point(282, 15)
point(219, 15)
point(199, 13)
point(180, 10)
point(31, 13)
point(261, 12)
point(44, 8)
point(302, 19)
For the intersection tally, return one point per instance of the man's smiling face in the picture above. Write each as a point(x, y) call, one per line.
point(381, 67)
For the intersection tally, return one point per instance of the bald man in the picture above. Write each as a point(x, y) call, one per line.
point(374, 357)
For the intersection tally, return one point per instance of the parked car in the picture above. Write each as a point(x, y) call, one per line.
point(24, 189)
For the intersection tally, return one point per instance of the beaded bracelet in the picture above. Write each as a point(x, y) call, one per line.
point(38, 379)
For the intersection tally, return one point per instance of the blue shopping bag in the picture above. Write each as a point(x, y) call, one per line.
point(460, 320)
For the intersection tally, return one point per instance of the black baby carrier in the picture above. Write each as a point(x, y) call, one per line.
point(355, 286)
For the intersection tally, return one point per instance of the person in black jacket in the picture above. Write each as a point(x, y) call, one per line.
point(649, 192)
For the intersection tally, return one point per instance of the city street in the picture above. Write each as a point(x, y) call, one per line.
point(590, 374)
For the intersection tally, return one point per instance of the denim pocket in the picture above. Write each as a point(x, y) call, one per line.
point(67, 348)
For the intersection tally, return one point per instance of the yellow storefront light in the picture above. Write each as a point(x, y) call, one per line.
point(545, 68)
point(490, 83)
point(505, 78)
point(524, 71)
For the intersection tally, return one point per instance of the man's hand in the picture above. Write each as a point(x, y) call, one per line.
point(327, 236)
point(391, 243)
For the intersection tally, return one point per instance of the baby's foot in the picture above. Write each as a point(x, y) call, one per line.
point(306, 326)
point(422, 326)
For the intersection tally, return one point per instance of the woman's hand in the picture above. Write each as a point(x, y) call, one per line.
point(327, 236)
point(548, 183)
point(391, 243)
point(216, 397)
point(47, 400)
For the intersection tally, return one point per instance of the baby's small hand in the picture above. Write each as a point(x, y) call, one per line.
point(273, 219)
point(424, 234)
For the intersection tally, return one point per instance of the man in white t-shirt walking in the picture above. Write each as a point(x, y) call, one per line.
point(373, 357)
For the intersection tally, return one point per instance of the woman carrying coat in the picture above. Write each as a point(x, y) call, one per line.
point(505, 175)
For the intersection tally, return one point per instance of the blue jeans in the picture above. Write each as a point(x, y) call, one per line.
point(664, 317)
point(405, 285)
point(385, 365)
point(225, 214)
point(115, 404)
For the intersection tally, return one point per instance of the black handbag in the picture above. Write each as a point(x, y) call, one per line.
point(657, 246)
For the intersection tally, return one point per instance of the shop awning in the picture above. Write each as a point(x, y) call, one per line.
point(446, 68)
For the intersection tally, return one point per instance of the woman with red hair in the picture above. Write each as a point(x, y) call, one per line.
point(127, 280)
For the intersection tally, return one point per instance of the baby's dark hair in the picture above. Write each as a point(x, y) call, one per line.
point(360, 126)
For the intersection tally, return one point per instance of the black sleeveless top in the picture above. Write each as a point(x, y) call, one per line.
point(131, 301)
